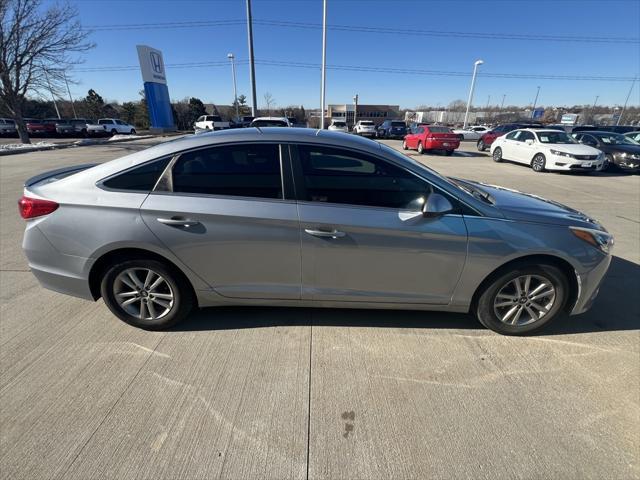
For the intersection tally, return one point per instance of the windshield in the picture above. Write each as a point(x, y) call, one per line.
point(614, 139)
point(269, 123)
point(555, 137)
point(439, 129)
point(366, 123)
point(397, 124)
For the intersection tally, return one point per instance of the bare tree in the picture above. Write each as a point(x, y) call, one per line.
point(37, 46)
point(269, 100)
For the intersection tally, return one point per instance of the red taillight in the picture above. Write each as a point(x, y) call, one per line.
point(35, 207)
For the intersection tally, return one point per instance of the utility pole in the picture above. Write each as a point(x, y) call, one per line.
point(231, 57)
point(324, 62)
point(473, 84)
point(70, 97)
point(535, 102)
point(252, 68)
point(52, 95)
point(502, 104)
point(625, 102)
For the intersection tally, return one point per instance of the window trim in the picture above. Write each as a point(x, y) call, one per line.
point(298, 177)
point(164, 185)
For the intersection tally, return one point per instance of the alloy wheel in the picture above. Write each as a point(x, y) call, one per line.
point(538, 163)
point(524, 300)
point(143, 293)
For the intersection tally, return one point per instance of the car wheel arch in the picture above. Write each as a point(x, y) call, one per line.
point(564, 266)
point(102, 264)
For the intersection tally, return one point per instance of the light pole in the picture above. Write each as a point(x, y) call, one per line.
point(355, 109)
point(473, 84)
point(535, 102)
point(252, 68)
point(502, 104)
point(625, 102)
point(231, 57)
point(324, 62)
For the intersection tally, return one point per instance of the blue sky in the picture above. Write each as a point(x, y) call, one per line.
point(295, 86)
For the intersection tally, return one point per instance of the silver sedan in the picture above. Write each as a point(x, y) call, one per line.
point(298, 217)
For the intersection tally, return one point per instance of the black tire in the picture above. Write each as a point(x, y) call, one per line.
point(404, 145)
point(84, 132)
point(481, 146)
point(497, 155)
point(538, 163)
point(485, 309)
point(114, 131)
point(608, 162)
point(448, 153)
point(183, 298)
point(420, 148)
point(133, 131)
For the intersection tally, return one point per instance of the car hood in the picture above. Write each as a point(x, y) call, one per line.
point(520, 206)
point(573, 148)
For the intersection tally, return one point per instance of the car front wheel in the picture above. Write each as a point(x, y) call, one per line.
point(523, 299)
point(497, 155)
point(146, 294)
point(539, 163)
point(481, 146)
point(420, 148)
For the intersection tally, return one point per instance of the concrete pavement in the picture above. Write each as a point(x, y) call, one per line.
point(327, 394)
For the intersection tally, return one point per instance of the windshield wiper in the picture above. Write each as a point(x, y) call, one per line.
point(474, 191)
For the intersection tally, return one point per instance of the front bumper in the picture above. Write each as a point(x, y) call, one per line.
point(558, 162)
point(589, 285)
point(627, 163)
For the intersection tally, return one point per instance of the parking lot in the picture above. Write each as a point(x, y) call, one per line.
point(310, 393)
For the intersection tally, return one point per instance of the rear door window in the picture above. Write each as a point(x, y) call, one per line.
point(140, 179)
point(249, 170)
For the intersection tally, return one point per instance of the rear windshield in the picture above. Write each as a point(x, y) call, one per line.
point(339, 124)
point(397, 124)
point(213, 118)
point(366, 122)
point(269, 123)
point(439, 129)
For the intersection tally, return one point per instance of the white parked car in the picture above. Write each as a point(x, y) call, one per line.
point(546, 150)
point(366, 128)
point(7, 126)
point(271, 122)
point(471, 133)
point(211, 122)
point(113, 126)
point(338, 126)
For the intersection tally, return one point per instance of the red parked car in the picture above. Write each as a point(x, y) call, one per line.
point(431, 137)
point(40, 127)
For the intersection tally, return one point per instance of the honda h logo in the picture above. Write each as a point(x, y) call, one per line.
point(156, 62)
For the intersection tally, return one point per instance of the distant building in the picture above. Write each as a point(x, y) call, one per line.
point(375, 113)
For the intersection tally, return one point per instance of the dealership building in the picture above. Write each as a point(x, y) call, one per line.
point(375, 113)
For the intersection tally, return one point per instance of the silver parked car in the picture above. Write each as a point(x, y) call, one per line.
point(300, 217)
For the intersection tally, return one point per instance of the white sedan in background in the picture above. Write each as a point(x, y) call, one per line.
point(471, 133)
point(546, 150)
point(339, 126)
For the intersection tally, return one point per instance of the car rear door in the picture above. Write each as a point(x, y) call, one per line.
point(510, 145)
point(364, 238)
point(223, 211)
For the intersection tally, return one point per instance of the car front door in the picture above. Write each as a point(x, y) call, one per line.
point(223, 211)
point(364, 238)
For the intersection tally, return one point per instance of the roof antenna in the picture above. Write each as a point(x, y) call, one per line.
point(257, 128)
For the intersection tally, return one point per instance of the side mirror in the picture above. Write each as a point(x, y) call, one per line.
point(529, 141)
point(436, 206)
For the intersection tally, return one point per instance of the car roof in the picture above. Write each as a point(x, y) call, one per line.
point(602, 132)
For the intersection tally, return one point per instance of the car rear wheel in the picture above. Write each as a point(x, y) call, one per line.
point(133, 131)
point(523, 299)
point(497, 155)
point(448, 153)
point(404, 145)
point(420, 148)
point(481, 146)
point(538, 163)
point(146, 294)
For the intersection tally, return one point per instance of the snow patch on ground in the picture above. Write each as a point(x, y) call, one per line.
point(26, 146)
point(128, 137)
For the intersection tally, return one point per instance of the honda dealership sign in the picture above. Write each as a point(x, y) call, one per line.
point(155, 88)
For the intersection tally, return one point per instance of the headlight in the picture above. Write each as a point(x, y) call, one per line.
point(561, 154)
point(603, 241)
point(600, 156)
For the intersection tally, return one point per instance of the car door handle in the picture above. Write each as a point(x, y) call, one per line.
point(178, 222)
point(325, 233)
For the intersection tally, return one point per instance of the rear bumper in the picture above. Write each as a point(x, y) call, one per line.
point(442, 145)
point(54, 270)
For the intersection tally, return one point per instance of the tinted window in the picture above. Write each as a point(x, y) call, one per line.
point(120, 122)
point(524, 136)
point(512, 135)
point(439, 130)
point(141, 178)
point(269, 123)
point(340, 176)
point(234, 170)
